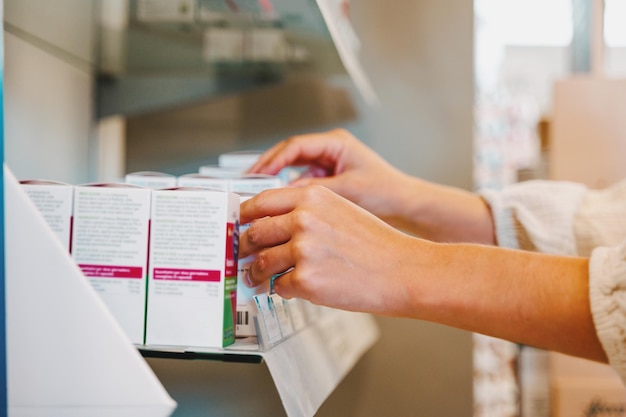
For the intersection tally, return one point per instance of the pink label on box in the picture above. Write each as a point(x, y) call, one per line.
point(108, 271)
point(170, 274)
point(232, 249)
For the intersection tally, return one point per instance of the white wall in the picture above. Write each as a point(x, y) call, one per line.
point(48, 89)
point(419, 57)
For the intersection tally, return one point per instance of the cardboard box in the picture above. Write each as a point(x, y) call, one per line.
point(110, 245)
point(192, 284)
point(587, 141)
point(54, 202)
point(580, 387)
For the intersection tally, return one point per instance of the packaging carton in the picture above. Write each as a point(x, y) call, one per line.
point(204, 181)
point(220, 172)
point(246, 308)
point(110, 245)
point(150, 179)
point(580, 387)
point(192, 284)
point(54, 202)
point(246, 187)
point(241, 160)
point(254, 183)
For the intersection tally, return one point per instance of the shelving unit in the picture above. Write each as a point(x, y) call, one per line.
point(307, 366)
point(158, 61)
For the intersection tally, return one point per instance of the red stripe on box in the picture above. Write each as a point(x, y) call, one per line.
point(170, 274)
point(109, 271)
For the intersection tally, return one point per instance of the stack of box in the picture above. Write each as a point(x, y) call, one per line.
point(168, 254)
point(150, 179)
point(162, 251)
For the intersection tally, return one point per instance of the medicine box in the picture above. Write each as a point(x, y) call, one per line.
point(246, 187)
point(241, 160)
point(110, 245)
point(204, 181)
point(54, 202)
point(223, 45)
point(220, 172)
point(246, 307)
point(192, 284)
point(254, 183)
point(151, 179)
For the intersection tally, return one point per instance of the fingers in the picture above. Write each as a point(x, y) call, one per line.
point(272, 203)
point(320, 149)
point(285, 285)
point(272, 234)
point(268, 163)
point(263, 233)
point(279, 219)
point(269, 262)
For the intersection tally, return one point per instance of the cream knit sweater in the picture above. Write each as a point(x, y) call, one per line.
point(569, 219)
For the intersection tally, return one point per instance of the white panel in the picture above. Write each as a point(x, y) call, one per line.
point(48, 114)
point(65, 351)
point(65, 24)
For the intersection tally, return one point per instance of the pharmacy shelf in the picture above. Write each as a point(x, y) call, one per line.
point(45, 296)
point(307, 366)
point(330, 332)
point(154, 63)
point(243, 351)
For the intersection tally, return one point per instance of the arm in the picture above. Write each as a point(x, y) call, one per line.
point(354, 261)
point(338, 161)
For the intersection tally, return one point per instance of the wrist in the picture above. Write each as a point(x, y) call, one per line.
point(448, 214)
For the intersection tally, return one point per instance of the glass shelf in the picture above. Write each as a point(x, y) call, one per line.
point(161, 60)
point(307, 366)
point(243, 351)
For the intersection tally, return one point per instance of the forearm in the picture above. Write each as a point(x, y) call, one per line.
point(442, 214)
point(543, 299)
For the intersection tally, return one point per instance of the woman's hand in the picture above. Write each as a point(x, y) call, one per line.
point(340, 162)
point(341, 255)
point(338, 255)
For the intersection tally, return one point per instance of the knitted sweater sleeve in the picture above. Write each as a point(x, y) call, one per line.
point(568, 219)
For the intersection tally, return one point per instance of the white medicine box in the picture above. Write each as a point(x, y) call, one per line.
point(192, 284)
point(110, 245)
point(54, 202)
point(150, 179)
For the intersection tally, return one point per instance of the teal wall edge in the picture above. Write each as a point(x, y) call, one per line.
point(3, 344)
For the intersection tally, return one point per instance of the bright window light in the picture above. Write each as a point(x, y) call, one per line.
point(529, 22)
point(614, 27)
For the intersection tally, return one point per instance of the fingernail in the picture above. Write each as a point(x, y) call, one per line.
point(246, 277)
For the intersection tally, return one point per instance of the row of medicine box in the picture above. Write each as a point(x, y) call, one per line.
point(163, 260)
